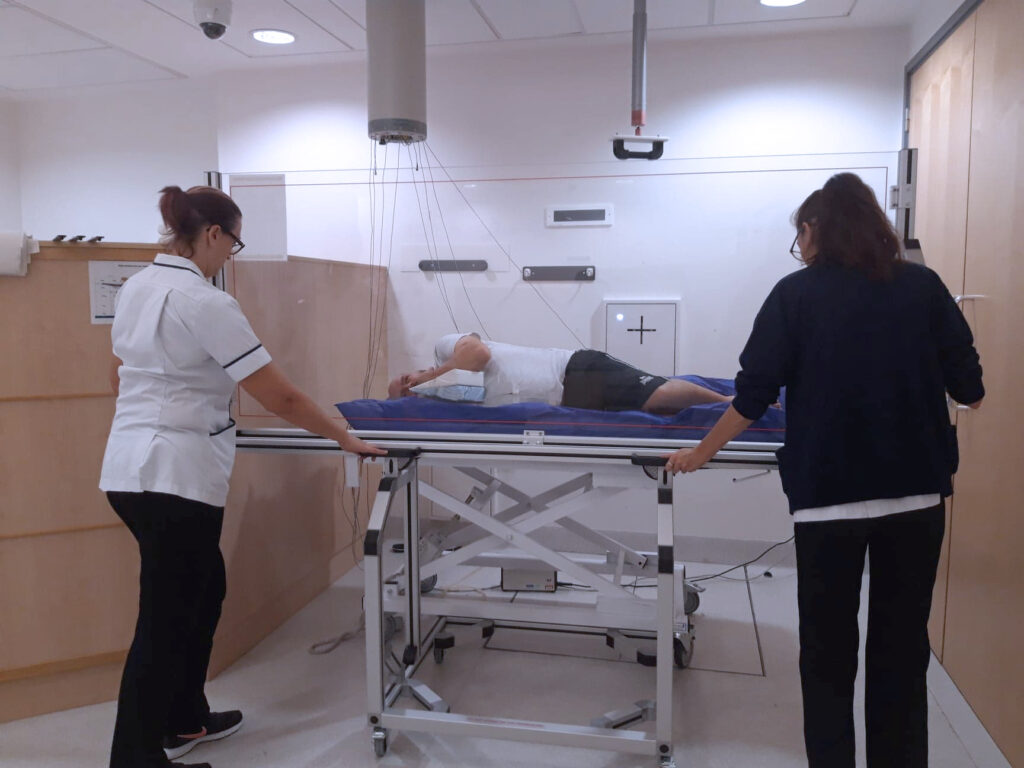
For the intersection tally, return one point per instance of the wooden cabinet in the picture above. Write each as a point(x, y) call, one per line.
point(984, 606)
point(941, 94)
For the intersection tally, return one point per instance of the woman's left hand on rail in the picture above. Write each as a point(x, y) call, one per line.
point(353, 444)
point(685, 460)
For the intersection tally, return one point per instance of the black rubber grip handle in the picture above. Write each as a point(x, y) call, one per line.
point(403, 453)
point(648, 461)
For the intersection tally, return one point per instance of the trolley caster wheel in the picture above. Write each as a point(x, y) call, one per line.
point(691, 602)
point(442, 642)
point(682, 653)
point(380, 742)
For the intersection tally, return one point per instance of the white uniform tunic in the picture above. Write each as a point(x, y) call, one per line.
point(184, 344)
point(516, 374)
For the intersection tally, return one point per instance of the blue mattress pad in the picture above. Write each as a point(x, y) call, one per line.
point(417, 414)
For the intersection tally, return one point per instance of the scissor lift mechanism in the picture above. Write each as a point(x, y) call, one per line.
point(510, 538)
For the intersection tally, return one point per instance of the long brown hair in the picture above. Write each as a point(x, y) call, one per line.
point(850, 228)
point(186, 213)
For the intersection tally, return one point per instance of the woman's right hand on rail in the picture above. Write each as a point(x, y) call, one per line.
point(353, 444)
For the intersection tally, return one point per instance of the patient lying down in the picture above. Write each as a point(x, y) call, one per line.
point(584, 378)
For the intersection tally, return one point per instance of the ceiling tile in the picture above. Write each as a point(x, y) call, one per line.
point(22, 32)
point(74, 68)
point(265, 14)
point(333, 19)
point(354, 9)
point(604, 16)
point(531, 18)
point(748, 11)
point(455, 21)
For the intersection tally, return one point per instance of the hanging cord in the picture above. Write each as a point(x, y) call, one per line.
point(451, 249)
point(382, 299)
point(500, 246)
point(373, 256)
point(439, 276)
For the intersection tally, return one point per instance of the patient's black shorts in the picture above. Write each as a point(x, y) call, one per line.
point(600, 382)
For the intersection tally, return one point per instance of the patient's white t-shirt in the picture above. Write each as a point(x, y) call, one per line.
point(516, 374)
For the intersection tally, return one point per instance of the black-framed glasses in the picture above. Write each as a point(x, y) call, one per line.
point(238, 246)
point(794, 249)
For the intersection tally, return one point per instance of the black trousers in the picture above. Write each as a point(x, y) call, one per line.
point(181, 588)
point(904, 552)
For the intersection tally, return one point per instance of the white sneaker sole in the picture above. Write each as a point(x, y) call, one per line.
point(184, 749)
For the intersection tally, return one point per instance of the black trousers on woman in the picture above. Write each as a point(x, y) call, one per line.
point(182, 585)
point(904, 554)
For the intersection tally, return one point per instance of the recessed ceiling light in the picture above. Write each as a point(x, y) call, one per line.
point(780, 3)
point(273, 36)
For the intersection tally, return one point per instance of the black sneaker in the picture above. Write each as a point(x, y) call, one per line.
point(218, 726)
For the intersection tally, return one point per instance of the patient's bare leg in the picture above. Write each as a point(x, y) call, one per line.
point(676, 394)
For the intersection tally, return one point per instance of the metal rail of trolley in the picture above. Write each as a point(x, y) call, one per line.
point(466, 541)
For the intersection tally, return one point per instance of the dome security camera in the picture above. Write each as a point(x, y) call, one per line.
point(213, 17)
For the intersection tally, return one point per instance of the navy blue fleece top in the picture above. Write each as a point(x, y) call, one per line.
point(867, 365)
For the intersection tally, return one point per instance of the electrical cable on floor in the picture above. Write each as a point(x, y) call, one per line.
point(326, 646)
point(721, 574)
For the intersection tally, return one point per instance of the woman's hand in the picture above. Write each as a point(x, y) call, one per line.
point(353, 444)
point(685, 460)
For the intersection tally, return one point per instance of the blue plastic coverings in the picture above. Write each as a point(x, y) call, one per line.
point(414, 414)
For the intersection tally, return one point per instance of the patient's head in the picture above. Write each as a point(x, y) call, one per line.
point(399, 386)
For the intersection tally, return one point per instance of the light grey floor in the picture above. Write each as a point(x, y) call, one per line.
point(739, 705)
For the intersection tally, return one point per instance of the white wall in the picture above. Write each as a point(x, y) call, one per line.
point(10, 192)
point(755, 125)
point(93, 163)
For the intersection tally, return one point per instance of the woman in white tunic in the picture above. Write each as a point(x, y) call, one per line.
point(180, 347)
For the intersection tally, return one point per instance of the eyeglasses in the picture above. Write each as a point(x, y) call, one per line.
point(238, 246)
point(794, 249)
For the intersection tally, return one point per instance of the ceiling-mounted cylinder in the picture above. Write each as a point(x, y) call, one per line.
point(639, 116)
point(397, 80)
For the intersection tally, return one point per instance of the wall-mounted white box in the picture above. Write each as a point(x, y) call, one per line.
point(643, 333)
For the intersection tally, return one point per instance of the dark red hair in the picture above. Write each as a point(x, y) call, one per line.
point(185, 215)
point(850, 228)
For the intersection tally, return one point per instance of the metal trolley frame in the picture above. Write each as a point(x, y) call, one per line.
point(603, 467)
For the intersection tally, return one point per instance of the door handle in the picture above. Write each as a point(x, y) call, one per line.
point(961, 298)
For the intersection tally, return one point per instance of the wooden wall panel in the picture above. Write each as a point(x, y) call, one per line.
point(986, 567)
point(76, 596)
point(51, 471)
point(47, 333)
point(65, 627)
point(941, 94)
point(287, 523)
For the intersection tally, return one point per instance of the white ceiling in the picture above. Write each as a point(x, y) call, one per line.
point(71, 43)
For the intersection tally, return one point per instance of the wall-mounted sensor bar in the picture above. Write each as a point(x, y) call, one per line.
point(453, 265)
point(577, 274)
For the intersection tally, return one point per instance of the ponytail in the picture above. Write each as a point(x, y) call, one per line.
point(186, 213)
point(850, 228)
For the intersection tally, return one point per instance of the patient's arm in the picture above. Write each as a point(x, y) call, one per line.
point(470, 354)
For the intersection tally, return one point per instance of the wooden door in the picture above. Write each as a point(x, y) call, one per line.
point(940, 129)
point(985, 599)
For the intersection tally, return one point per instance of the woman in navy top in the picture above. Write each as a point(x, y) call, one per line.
point(868, 346)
